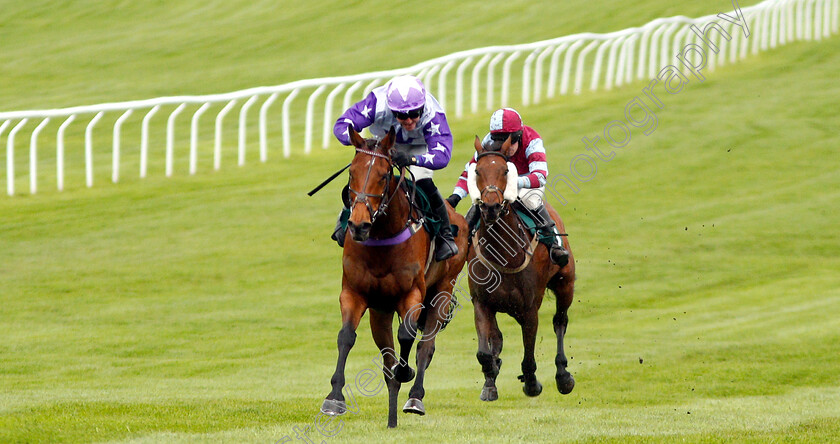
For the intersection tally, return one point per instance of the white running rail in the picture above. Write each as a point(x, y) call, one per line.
point(543, 68)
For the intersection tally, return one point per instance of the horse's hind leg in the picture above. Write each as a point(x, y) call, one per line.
point(564, 288)
point(436, 316)
point(529, 323)
point(383, 336)
point(352, 308)
point(409, 310)
point(486, 328)
point(496, 343)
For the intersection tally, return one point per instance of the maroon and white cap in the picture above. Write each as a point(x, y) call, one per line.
point(505, 120)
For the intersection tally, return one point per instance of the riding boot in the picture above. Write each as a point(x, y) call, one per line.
point(341, 227)
point(472, 217)
point(445, 247)
point(557, 253)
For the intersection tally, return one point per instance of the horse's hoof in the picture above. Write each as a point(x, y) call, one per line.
point(489, 394)
point(414, 405)
point(333, 407)
point(565, 383)
point(403, 374)
point(531, 386)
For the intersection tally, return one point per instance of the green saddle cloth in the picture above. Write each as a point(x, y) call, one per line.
point(430, 222)
point(531, 225)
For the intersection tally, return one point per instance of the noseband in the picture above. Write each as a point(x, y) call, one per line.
point(362, 197)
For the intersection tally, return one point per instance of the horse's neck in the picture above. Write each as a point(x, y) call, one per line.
point(503, 241)
point(391, 223)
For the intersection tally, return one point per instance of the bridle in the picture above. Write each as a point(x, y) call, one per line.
point(362, 197)
point(505, 210)
point(492, 188)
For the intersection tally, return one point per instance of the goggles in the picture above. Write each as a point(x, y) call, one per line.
point(413, 114)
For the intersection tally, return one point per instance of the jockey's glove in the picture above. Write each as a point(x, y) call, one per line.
point(403, 159)
point(453, 200)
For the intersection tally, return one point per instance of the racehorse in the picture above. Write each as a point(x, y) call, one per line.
point(525, 269)
point(388, 274)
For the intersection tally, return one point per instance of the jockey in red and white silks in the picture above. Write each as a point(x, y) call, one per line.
point(531, 167)
point(531, 159)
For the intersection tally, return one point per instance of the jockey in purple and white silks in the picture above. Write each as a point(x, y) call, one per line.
point(424, 142)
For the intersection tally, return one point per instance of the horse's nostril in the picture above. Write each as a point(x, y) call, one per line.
point(362, 227)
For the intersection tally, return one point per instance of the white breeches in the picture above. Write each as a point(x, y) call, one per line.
point(532, 198)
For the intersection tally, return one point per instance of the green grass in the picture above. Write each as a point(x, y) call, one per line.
point(204, 308)
point(69, 53)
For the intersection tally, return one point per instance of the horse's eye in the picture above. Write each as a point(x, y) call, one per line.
point(506, 172)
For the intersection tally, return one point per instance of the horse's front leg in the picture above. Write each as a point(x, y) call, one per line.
point(488, 349)
point(383, 336)
point(353, 307)
point(529, 323)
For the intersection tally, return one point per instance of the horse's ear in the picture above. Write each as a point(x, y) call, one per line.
point(506, 148)
point(478, 148)
point(355, 138)
point(386, 143)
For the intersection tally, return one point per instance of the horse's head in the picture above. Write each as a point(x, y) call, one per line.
point(370, 182)
point(493, 181)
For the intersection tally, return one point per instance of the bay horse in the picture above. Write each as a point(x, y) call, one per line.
point(525, 269)
point(386, 274)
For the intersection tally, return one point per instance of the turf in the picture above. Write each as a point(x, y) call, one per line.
point(204, 308)
point(70, 53)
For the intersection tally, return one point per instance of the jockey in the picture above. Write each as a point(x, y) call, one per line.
point(533, 170)
point(424, 142)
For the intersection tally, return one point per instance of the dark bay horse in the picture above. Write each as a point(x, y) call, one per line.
point(388, 274)
point(526, 270)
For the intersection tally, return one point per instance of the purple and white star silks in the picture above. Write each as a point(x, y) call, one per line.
point(359, 116)
point(373, 112)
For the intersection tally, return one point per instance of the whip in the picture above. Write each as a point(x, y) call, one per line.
point(329, 179)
